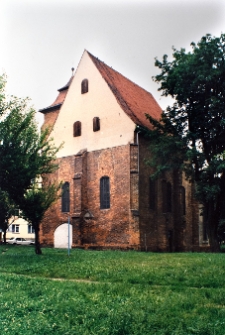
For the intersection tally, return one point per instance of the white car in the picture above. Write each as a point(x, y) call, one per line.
point(19, 240)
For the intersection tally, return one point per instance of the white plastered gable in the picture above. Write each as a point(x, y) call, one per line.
point(116, 128)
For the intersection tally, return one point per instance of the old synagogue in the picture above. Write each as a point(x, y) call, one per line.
point(108, 197)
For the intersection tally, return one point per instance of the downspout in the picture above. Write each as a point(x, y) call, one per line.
point(137, 142)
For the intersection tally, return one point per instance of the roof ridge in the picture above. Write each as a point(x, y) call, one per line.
point(110, 67)
point(132, 98)
point(118, 95)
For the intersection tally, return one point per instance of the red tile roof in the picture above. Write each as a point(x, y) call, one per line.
point(59, 100)
point(134, 100)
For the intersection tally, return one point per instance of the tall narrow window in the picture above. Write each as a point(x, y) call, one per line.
point(96, 123)
point(152, 194)
point(182, 200)
point(84, 86)
point(104, 193)
point(66, 197)
point(77, 129)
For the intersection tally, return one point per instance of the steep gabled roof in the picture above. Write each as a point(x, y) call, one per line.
point(59, 100)
point(134, 100)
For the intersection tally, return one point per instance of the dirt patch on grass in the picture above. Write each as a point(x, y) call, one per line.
point(75, 280)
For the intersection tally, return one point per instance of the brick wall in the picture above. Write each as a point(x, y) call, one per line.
point(116, 227)
point(54, 216)
point(129, 223)
point(166, 231)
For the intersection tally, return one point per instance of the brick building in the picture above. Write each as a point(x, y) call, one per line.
point(107, 192)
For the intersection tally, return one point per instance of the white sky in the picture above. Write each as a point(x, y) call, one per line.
point(42, 39)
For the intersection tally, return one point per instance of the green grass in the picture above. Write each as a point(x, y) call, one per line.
point(110, 293)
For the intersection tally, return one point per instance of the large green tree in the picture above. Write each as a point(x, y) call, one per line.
point(191, 132)
point(25, 153)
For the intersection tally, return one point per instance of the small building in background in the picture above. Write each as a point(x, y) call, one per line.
point(20, 228)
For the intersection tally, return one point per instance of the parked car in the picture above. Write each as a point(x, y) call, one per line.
point(19, 240)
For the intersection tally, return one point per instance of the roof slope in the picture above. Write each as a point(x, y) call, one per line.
point(134, 100)
point(59, 100)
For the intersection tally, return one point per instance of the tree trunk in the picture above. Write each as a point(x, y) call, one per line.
point(4, 236)
point(37, 242)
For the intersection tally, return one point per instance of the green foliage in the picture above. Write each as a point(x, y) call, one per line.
point(26, 156)
point(37, 199)
point(191, 133)
point(24, 153)
point(94, 292)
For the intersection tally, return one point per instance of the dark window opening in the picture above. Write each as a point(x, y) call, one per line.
point(66, 197)
point(152, 194)
point(96, 124)
point(77, 129)
point(104, 193)
point(182, 200)
point(84, 86)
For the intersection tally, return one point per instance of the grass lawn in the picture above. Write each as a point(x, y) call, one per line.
point(110, 292)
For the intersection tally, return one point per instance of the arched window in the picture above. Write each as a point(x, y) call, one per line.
point(166, 197)
point(66, 197)
point(104, 193)
point(182, 200)
point(152, 194)
point(77, 129)
point(96, 123)
point(84, 86)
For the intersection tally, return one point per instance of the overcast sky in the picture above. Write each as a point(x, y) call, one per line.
point(41, 40)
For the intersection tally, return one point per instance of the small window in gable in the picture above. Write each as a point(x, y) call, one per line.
point(84, 86)
point(96, 124)
point(77, 129)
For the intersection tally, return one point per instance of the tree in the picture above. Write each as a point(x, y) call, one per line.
point(36, 201)
point(191, 133)
point(25, 154)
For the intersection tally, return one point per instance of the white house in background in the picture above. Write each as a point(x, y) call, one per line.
point(20, 228)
